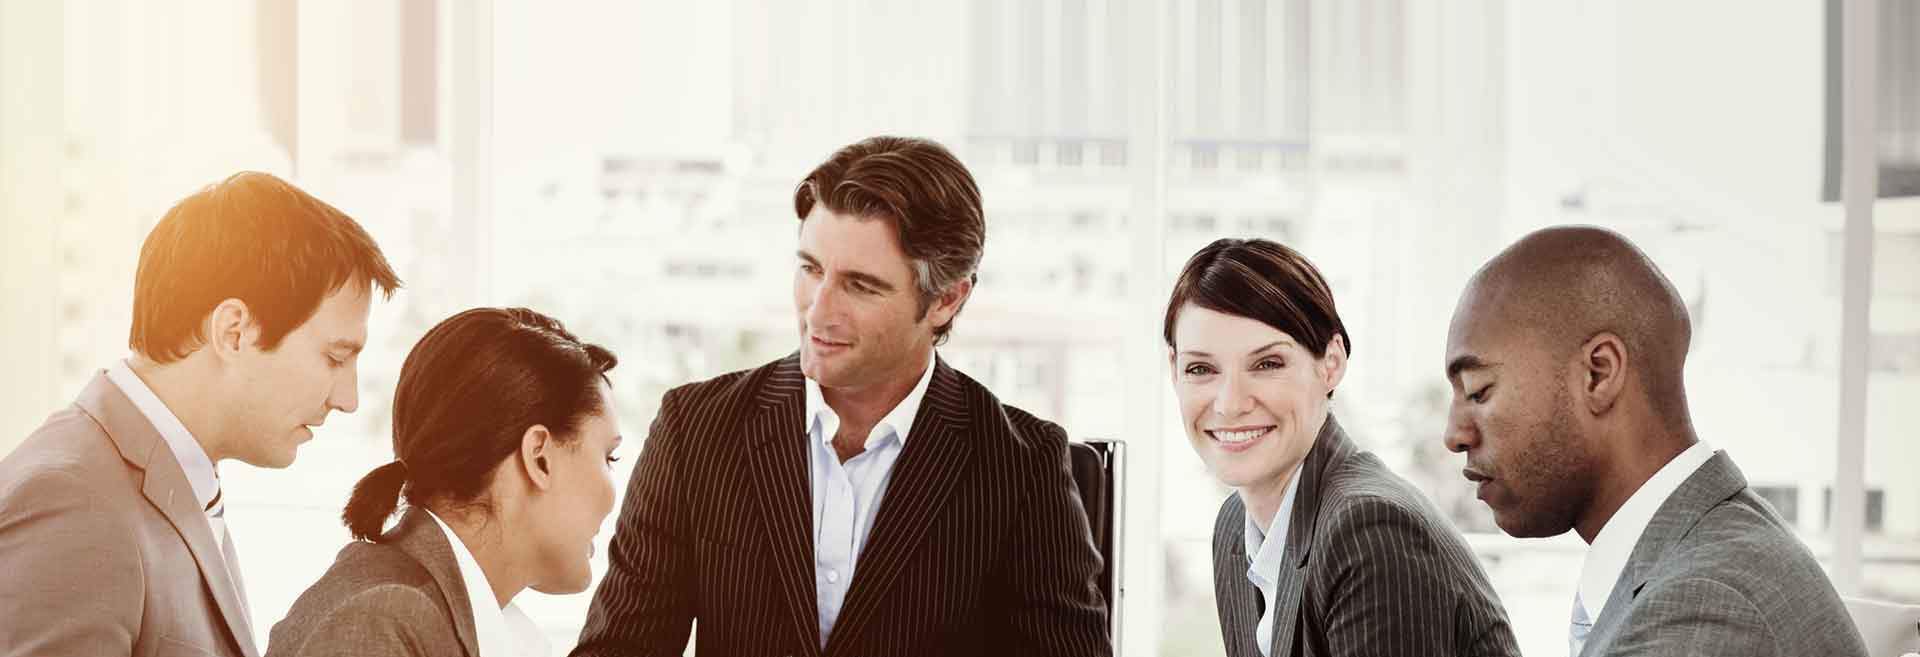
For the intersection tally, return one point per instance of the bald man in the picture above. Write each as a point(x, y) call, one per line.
point(1565, 356)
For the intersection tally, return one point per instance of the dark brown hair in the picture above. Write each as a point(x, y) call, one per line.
point(468, 392)
point(923, 190)
point(251, 237)
point(1264, 281)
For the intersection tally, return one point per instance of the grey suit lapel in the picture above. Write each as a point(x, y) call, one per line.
point(1236, 598)
point(1239, 623)
point(421, 538)
point(165, 486)
point(1717, 480)
point(1329, 448)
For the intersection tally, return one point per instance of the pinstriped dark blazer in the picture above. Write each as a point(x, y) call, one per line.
point(980, 546)
point(1371, 568)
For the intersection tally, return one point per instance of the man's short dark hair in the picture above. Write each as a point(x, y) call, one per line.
point(251, 237)
point(923, 190)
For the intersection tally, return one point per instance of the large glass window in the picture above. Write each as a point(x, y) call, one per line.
point(629, 168)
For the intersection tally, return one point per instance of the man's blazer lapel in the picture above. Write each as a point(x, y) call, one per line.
point(938, 452)
point(1716, 481)
point(776, 437)
point(165, 486)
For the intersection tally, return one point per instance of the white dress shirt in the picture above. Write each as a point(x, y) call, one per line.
point(186, 450)
point(202, 477)
point(1608, 554)
point(846, 496)
point(498, 631)
point(1265, 559)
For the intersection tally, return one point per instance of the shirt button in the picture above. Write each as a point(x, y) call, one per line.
point(833, 577)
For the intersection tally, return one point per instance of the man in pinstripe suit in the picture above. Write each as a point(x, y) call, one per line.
point(1566, 356)
point(859, 497)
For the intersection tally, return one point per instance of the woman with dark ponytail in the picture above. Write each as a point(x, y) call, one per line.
point(503, 442)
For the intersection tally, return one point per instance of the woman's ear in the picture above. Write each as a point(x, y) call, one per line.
point(536, 456)
point(1332, 367)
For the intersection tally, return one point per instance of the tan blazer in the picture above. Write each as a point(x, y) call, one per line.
point(400, 597)
point(107, 551)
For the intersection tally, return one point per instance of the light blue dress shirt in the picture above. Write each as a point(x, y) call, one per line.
point(846, 496)
point(1265, 559)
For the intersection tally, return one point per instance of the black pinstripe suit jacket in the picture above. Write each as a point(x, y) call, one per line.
point(1371, 568)
point(980, 547)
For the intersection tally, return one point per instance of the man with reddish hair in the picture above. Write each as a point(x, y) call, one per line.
point(249, 311)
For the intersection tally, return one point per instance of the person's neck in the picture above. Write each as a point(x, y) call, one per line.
point(183, 387)
point(484, 538)
point(860, 408)
point(1263, 499)
point(1630, 458)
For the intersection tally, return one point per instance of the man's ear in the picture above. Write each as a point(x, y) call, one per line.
point(230, 328)
point(948, 304)
point(1603, 365)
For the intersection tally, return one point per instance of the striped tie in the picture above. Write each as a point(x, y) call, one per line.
point(217, 520)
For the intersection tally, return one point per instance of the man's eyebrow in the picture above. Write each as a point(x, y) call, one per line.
point(870, 280)
point(864, 278)
point(1465, 363)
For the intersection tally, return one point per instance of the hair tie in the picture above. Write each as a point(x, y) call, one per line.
point(403, 466)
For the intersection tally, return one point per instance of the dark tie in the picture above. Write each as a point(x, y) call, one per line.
point(217, 520)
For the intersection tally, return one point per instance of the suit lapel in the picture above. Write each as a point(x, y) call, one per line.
point(1331, 446)
point(778, 481)
point(165, 486)
point(923, 479)
point(1236, 598)
point(421, 538)
point(1716, 481)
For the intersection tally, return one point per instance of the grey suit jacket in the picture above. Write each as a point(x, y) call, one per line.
point(1718, 573)
point(1371, 568)
point(107, 551)
point(400, 597)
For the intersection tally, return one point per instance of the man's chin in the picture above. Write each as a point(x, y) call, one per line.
point(824, 371)
point(272, 461)
point(1521, 527)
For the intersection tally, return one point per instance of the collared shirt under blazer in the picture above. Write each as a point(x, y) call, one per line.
point(1371, 568)
point(402, 596)
point(1717, 572)
point(108, 549)
point(981, 546)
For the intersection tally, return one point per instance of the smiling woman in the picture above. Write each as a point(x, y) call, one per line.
point(1257, 349)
